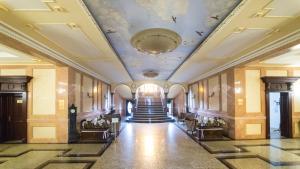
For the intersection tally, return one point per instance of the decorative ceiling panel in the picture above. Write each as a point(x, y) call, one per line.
point(71, 38)
point(27, 5)
point(237, 41)
point(193, 20)
point(280, 8)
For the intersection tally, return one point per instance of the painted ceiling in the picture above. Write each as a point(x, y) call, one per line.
point(193, 20)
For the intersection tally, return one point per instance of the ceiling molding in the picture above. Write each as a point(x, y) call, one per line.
point(254, 54)
point(219, 27)
point(21, 37)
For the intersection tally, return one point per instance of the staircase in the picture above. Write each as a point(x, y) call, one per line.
point(150, 110)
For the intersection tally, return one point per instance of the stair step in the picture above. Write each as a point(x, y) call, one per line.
point(150, 121)
point(140, 105)
point(149, 110)
point(150, 113)
point(146, 113)
point(154, 115)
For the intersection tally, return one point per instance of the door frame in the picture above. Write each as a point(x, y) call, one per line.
point(17, 85)
point(23, 96)
point(289, 114)
point(279, 84)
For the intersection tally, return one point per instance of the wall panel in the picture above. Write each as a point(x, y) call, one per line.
point(214, 93)
point(44, 91)
point(87, 94)
point(44, 132)
point(253, 129)
point(224, 91)
point(253, 99)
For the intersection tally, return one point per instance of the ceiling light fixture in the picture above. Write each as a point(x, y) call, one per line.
point(156, 41)
point(150, 73)
point(7, 55)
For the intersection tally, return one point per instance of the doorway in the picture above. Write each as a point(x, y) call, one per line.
point(129, 107)
point(275, 119)
point(279, 118)
point(283, 87)
point(13, 117)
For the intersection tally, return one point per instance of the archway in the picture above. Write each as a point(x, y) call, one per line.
point(176, 99)
point(122, 98)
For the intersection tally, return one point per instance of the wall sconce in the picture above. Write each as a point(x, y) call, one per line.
point(61, 90)
point(238, 90)
point(237, 82)
point(89, 95)
point(212, 94)
point(201, 89)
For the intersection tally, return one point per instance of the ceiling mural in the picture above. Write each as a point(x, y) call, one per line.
point(192, 20)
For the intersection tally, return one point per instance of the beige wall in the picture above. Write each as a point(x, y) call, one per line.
point(86, 92)
point(47, 102)
point(254, 111)
point(51, 91)
point(216, 97)
point(239, 98)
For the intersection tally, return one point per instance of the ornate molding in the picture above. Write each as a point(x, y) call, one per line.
point(21, 37)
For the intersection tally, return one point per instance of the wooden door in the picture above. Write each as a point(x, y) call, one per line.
point(13, 116)
point(285, 115)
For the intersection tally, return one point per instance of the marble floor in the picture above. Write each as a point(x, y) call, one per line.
point(154, 146)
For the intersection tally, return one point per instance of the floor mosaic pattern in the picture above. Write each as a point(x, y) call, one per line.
point(155, 146)
point(253, 154)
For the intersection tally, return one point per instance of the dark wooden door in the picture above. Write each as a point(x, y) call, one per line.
point(286, 114)
point(13, 116)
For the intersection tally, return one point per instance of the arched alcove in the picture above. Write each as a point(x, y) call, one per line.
point(123, 90)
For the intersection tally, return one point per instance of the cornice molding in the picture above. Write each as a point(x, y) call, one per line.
point(252, 55)
point(23, 38)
